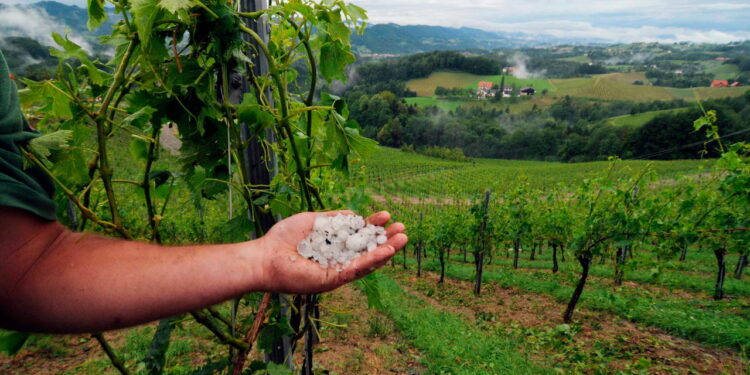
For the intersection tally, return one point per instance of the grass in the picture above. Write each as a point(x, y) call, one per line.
point(451, 345)
point(425, 87)
point(704, 93)
point(446, 105)
point(723, 71)
point(400, 173)
point(608, 89)
point(639, 119)
point(579, 59)
point(628, 78)
point(679, 317)
point(647, 274)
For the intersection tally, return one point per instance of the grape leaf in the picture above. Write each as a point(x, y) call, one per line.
point(97, 15)
point(174, 6)
point(145, 13)
point(371, 287)
point(157, 352)
point(71, 50)
point(333, 58)
point(43, 146)
point(12, 342)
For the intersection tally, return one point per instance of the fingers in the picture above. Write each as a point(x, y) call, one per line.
point(394, 229)
point(367, 263)
point(380, 219)
point(398, 241)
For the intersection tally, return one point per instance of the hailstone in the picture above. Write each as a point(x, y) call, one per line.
point(337, 240)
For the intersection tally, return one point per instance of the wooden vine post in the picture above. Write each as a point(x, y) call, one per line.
point(482, 244)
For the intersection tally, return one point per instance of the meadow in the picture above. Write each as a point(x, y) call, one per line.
point(608, 87)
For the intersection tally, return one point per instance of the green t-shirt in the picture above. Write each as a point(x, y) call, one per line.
point(27, 189)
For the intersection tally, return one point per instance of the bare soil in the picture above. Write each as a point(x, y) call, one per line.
point(357, 340)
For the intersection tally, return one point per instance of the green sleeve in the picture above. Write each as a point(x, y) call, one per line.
point(27, 189)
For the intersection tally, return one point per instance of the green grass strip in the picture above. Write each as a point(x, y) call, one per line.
point(678, 317)
point(451, 345)
point(664, 278)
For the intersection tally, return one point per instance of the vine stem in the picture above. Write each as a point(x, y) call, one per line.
point(85, 211)
point(105, 172)
point(116, 361)
point(226, 339)
point(252, 334)
point(146, 184)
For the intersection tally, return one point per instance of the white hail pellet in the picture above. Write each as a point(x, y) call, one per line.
point(337, 240)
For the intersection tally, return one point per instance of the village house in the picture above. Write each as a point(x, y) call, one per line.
point(720, 83)
point(485, 90)
point(507, 91)
point(527, 91)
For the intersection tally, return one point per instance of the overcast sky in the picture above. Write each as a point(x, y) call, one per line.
point(613, 20)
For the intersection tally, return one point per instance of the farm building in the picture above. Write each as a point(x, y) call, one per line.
point(485, 90)
point(527, 91)
point(507, 91)
point(720, 83)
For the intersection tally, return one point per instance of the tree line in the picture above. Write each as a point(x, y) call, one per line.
point(571, 130)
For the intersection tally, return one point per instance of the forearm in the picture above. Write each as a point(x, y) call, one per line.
point(65, 282)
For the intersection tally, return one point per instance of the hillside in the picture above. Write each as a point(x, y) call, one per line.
point(612, 86)
point(426, 86)
point(397, 39)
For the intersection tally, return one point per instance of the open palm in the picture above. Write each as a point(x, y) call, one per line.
point(285, 271)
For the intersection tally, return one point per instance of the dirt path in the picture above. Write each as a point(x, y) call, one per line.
point(58, 354)
point(626, 344)
point(169, 139)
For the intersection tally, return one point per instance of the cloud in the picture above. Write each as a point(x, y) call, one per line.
point(80, 3)
point(18, 20)
point(612, 21)
point(715, 21)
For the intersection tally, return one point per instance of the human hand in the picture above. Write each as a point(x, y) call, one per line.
point(285, 271)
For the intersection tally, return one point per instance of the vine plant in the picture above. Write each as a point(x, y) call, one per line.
point(172, 63)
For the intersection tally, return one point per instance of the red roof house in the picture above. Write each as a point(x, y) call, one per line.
point(486, 85)
point(720, 83)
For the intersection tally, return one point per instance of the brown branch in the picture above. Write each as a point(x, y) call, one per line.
point(116, 361)
point(252, 335)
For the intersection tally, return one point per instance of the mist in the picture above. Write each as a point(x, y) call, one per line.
point(522, 71)
point(20, 20)
point(638, 58)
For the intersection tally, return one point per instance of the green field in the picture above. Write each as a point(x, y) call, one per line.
point(607, 89)
point(426, 86)
point(444, 104)
point(400, 173)
point(612, 86)
point(626, 77)
point(704, 93)
point(722, 71)
point(578, 59)
point(639, 119)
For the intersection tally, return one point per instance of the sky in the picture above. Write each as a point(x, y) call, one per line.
point(717, 21)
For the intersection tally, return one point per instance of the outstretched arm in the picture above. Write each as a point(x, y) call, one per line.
point(53, 280)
